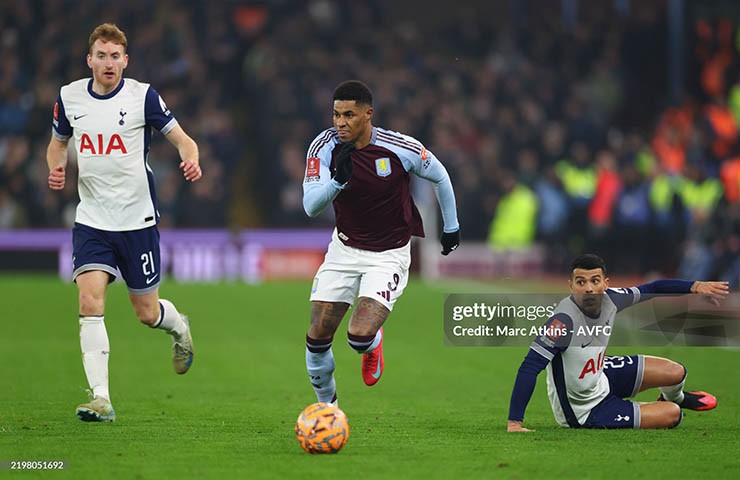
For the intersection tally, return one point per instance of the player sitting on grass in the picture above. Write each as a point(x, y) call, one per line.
point(586, 388)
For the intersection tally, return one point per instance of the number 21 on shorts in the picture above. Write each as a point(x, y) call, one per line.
point(147, 263)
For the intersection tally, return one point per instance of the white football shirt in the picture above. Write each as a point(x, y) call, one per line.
point(112, 134)
point(576, 382)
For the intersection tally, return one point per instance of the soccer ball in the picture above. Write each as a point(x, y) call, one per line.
point(322, 428)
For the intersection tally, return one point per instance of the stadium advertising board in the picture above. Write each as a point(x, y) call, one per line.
point(187, 255)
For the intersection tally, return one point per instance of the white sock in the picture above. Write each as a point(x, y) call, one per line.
point(170, 320)
point(320, 368)
point(95, 352)
point(674, 393)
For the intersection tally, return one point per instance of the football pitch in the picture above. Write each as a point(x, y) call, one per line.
point(438, 412)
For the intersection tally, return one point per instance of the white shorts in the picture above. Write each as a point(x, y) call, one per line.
point(348, 273)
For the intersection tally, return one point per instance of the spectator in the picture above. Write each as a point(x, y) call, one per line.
point(489, 94)
point(514, 223)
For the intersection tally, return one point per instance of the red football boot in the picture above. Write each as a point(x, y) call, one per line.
point(372, 364)
point(696, 401)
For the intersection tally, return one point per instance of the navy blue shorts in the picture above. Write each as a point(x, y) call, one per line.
point(135, 253)
point(625, 377)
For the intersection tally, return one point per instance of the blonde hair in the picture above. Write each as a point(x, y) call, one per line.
point(108, 32)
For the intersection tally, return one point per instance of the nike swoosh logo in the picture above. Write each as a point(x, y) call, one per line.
point(584, 345)
point(376, 375)
point(150, 280)
point(77, 117)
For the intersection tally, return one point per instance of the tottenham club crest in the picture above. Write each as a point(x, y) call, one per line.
point(383, 167)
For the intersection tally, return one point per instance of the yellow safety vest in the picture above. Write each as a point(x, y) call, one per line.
point(515, 221)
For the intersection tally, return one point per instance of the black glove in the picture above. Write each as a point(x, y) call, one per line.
point(343, 163)
point(450, 241)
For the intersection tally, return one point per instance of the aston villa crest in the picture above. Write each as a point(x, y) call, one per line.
point(383, 167)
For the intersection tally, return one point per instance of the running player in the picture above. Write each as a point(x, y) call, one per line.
point(111, 119)
point(363, 172)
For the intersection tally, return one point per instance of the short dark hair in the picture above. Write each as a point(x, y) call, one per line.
point(354, 90)
point(588, 261)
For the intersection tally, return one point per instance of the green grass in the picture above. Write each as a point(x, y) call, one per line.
point(439, 412)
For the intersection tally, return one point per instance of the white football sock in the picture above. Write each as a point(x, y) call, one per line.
point(674, 393)
point(170, 320)
point(95, 352)
point(320, 368)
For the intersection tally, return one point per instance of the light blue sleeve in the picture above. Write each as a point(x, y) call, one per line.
point(318, 196)
point(427, 166)
point(319, 189)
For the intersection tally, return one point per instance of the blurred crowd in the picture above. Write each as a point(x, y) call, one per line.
point(556, 128)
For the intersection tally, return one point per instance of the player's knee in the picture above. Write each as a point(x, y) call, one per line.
point(675, 415)
point(91, 304)
point(677, 372)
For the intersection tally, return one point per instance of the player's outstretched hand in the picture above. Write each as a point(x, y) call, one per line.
point(191, 170)
point(57, 177)
point(344, 163)
point(713, 291)
point(450, 241)
point(516, 427)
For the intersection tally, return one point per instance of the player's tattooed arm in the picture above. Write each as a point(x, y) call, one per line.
point(368, 317)
point(326, 317)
